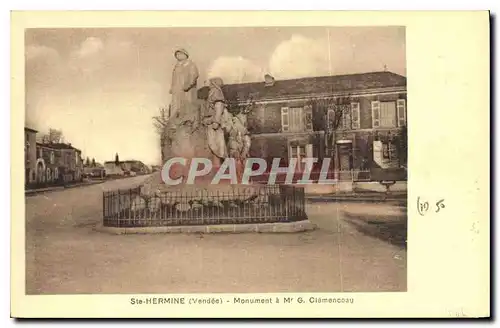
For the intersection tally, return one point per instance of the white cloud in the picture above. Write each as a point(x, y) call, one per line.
point(300, 57)
point(94, 54)
point(294, 58)
point(235, 70)
point(34, 52)
point(89, 47)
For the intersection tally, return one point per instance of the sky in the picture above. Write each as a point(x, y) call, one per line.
point(102, 87)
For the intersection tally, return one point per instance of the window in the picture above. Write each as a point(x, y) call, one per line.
point(385, 154)
point(355, 119)
point(40, 153)
point(384, 114)
point(296, 119)
point(388, 114)
point(300, 152)
point(52, 157)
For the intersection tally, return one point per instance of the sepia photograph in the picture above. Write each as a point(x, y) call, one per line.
point(107, 108)
point(259, 164)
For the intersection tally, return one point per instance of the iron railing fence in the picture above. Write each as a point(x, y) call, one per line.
point(257, 204)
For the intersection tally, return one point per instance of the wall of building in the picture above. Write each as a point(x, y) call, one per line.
point(277, 145)
point(30, 138)
point(264, 123)
point(362, 144)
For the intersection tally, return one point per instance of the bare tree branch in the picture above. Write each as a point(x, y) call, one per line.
point(160, 121)
point(53, 136)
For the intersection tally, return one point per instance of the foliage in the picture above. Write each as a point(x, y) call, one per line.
point(53, 136)
point(235, 105)
point(160, 121)
point(339, 106)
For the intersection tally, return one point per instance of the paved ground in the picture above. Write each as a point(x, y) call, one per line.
point(359, 247)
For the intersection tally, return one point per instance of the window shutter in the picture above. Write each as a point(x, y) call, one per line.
point(308, 117)
point(375, 114)
point(355, 119)
point(285, 122)
point(401, 112)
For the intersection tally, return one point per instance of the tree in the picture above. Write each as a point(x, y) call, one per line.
point(87, 162)
point(236, 105)
point(93, 162)
point(117, 160)
point(332, 111)
point(160, 123)
point(53, 136)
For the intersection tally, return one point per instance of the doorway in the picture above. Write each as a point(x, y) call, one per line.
point(345, 159)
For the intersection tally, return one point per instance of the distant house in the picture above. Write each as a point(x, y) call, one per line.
point(96, 170)
point(126, 167)
point(286, 122)
point(58, 162)
point(136, 166)
point(112, 169)
point(50, 163)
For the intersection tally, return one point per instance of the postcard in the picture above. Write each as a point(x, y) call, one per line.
point(250, 164)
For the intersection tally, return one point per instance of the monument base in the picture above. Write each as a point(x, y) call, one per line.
point(282, 227)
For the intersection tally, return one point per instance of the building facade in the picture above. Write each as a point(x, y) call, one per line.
point(299, 119)
point(30, 158)
point(60, 162)
point(49, 163)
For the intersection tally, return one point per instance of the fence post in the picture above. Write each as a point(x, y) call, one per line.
point(104, 205)
point(119, 208)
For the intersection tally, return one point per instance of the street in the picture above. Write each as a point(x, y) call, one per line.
point(358, 247)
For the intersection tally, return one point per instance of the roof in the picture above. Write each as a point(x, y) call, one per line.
point(58, 146)
point(130, 161)
point(30, 129)
point(314, 85)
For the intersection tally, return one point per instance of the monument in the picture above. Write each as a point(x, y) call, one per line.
point(200, 127)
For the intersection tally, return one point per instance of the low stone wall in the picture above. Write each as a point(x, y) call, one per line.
point(377, 187)
point(349, 187)
point(285, 227)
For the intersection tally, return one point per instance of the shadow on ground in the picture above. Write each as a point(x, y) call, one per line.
point(389, 228)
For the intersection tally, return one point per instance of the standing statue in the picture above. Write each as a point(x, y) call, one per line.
point(184, 86)
point(213, 118)
point(239, 142)
point(184, 112)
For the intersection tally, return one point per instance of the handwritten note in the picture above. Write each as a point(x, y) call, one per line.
point(424, 206)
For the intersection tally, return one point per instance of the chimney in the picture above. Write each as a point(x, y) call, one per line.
point(268, 80)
